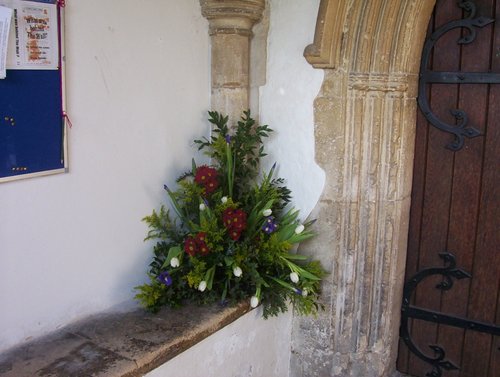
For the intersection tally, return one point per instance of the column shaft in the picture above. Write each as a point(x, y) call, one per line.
point(365, 138)
point(231, 23)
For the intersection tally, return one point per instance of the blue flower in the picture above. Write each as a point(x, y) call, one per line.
point(299, 292)
point(270, 225)
point(165, 278)
point(228, 139)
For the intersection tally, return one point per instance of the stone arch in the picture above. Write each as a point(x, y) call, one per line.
point(379, 35)
point(365, 118)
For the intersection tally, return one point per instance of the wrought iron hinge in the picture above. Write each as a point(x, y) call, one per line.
point(461, 129)
point(449, 272)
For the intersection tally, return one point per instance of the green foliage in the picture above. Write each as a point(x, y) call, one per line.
point(196, 275)
point(150, 295)
point(188, 198)
point(233, 251)
point(276, 302)
point(160, 226)
point(246, 146)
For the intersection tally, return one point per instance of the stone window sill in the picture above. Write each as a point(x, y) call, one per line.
point(119, 344)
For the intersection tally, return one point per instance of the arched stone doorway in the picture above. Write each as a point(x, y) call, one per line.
point(365, 120)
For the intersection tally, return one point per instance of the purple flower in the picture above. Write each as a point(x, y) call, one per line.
point(165, 278)
point(270, 225)
point(298, 291)
point(228, 139)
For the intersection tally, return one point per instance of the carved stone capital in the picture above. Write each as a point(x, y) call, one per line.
point(232, 16)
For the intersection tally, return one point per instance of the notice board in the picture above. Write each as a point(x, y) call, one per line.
point(32, 114)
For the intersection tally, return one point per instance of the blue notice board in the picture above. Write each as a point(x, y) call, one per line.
point(32, 120)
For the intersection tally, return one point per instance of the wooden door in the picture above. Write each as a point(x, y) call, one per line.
point(456, 203)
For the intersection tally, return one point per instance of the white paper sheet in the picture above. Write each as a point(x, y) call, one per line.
point(33, 41)
point(5, 17)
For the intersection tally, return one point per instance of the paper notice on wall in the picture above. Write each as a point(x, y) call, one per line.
point(33, 40)
point(5, 17)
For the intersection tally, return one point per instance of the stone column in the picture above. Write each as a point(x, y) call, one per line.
point(230, 28)
point(365, 143)
point(365, 119)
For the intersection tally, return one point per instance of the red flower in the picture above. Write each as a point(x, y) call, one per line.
point(203, 248)
point(211, 185)
point(190, 246)
point(196, 245)
point(235, 221)
point(204, 173)
point(200, 240)
point(227, 217)
point(206, 176)
point(201, 237)
point(234, 234)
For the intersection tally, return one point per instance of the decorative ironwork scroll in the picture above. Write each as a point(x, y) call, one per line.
point(449, 272)
point(461, 129)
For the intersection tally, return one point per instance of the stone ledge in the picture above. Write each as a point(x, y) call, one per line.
point(119, 344)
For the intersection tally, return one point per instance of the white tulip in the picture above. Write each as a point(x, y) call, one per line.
point(174, 262)
point(202, 207)
point(202, 286)
point(254, 301)
point(294, 277)
point(267, 212)
point(224, 199)
point(237, 272)
point(299, 229)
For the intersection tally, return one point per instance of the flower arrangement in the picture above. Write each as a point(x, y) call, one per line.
point(234, 236)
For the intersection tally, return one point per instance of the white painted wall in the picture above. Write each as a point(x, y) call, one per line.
point(248, 347)
point(138, 92)
point(138, 87)
point(286, 101)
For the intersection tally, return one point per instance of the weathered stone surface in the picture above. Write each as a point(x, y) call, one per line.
point(365, 119)
point(88, 359)
point(122, 344)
